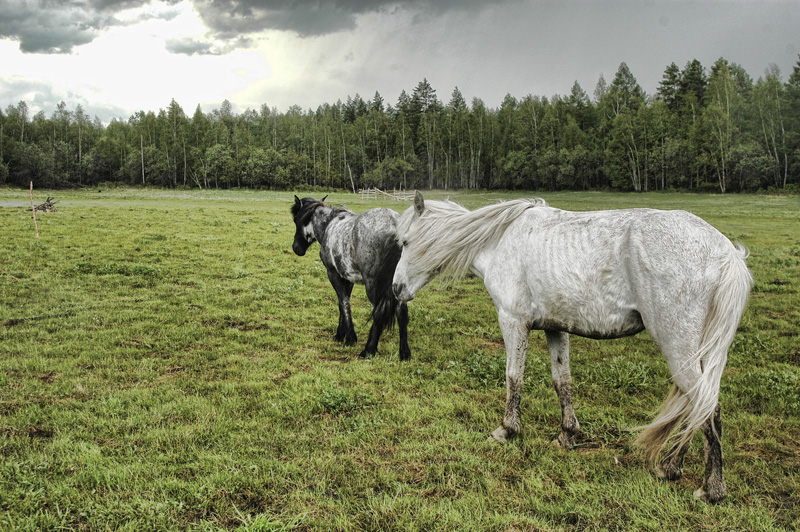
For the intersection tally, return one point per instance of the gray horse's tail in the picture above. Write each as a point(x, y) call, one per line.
point(385, 304)
point(687, 411)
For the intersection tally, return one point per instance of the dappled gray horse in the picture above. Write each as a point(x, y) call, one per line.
point(602, 274)
point(355, 248)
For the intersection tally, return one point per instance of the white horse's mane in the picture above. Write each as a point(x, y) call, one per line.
point(447, 236)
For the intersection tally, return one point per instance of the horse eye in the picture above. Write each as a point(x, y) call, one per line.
point(405, 243)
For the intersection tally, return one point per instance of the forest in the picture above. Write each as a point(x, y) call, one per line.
point(705, 129)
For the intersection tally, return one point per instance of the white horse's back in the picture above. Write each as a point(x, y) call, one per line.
point(604, 274)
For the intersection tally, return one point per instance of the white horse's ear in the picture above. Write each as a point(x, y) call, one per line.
point(419, 203)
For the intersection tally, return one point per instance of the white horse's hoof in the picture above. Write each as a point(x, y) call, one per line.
point(713, 496)
point(669, 472)
point(564, 441)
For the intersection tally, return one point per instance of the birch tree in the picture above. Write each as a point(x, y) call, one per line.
point(769, 97)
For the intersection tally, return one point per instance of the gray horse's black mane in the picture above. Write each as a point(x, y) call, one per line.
point(303, 209)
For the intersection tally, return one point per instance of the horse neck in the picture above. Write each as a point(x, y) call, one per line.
point(447, 245)
point(323, 216)
point(466, 239)
point(480, 262)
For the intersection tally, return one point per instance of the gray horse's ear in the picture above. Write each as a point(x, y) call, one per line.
point(419, 203)
point(323, 199)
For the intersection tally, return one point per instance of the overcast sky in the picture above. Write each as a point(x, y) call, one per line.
point(115, 57)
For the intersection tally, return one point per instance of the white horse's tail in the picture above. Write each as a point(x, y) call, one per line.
point(687, 411)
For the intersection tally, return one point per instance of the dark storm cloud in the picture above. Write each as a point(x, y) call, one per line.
point(231, 18)
point(57, 27)
point(228, 18)
point(43, 26)
point(46, 29)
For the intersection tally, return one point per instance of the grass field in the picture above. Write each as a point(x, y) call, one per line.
point(167, 363)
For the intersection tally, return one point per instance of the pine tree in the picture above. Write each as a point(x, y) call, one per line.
point(670, 86)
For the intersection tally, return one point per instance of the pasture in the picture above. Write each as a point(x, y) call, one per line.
point(167, 363)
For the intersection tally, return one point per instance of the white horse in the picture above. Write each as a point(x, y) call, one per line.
point(602, 274)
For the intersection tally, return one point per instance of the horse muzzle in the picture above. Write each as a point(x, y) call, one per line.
point(401, 292)
point(299, 249)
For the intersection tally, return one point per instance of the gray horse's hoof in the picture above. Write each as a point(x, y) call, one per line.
point(500, 435)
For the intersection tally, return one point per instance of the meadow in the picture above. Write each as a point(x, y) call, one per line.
point(167, 363)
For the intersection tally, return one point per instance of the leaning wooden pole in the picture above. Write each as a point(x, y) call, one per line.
point(33, 210)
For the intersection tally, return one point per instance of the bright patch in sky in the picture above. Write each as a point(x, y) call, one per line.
point(129, 66)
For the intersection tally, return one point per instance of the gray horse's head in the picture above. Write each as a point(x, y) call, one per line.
point(303, 214)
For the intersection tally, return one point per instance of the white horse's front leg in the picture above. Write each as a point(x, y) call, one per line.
point(515, 335)
point(558, 346)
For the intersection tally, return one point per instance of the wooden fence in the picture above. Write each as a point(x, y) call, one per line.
point(376, 193)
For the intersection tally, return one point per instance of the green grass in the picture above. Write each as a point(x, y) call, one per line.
point(167, 363)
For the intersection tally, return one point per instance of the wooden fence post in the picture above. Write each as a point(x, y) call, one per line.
point(33, 210)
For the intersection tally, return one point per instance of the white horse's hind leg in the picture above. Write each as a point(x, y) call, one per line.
point(515, 335)
point(671, 467)
point(713, 488)
point(558, 345)
point(686, 375)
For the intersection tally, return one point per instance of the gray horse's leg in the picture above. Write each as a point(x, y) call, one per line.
point(380, 320)
point(713, 488)
point(385, 309)
point(345, 332)
point(515, 336)
point(372, 341)
point(402, 322)
point(558, 346)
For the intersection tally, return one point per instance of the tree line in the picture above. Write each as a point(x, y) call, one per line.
point(705, 129)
